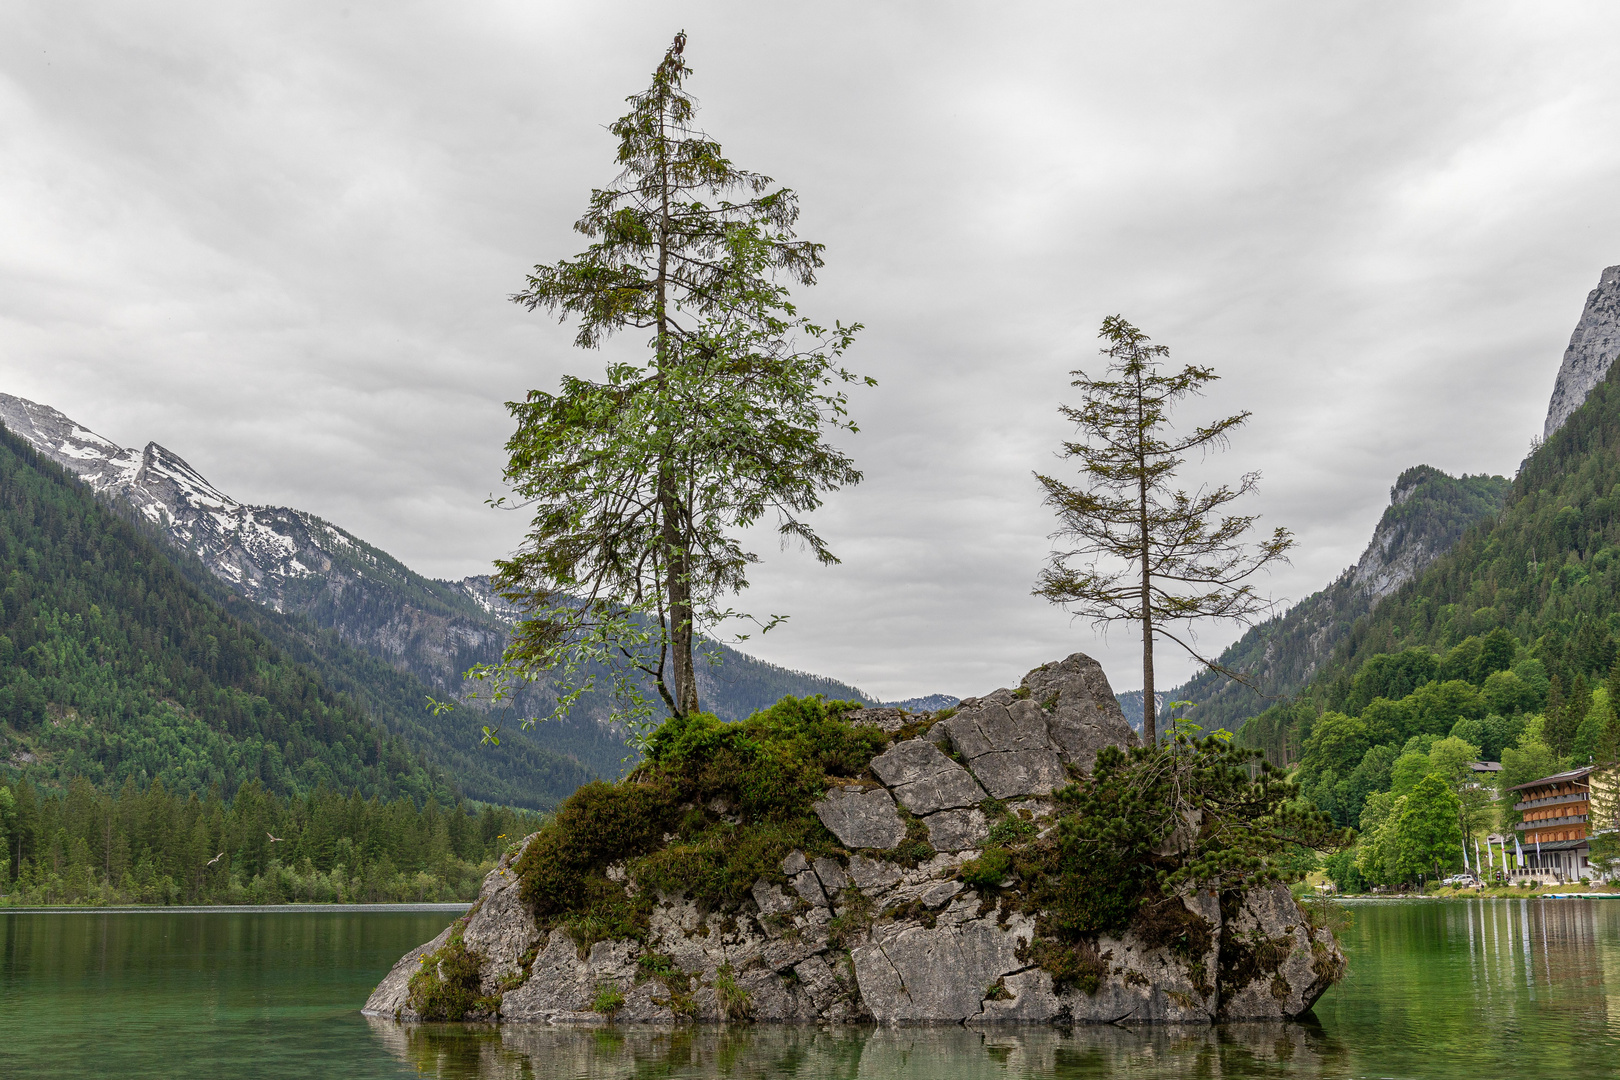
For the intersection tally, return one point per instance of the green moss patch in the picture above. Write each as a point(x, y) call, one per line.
point(713, 809)
point(446, 987)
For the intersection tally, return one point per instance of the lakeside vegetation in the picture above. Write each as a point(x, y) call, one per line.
point(152, 845)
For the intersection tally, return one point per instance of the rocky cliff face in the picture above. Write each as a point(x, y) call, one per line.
point(1592, 348)
point(860, 936)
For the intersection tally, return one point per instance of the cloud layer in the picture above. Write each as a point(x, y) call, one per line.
point(278, 240)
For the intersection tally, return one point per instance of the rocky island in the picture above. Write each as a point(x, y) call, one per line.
point(1017, 859)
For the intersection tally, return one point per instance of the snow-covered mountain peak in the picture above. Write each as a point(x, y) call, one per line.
point(97, 460)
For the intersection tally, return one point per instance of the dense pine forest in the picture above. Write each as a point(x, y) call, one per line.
point(155, 846)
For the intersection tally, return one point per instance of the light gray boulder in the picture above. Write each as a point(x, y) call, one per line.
point(957, 830)
point(939, 975)
point(873, 876)
point(908, 943)
point(1274, 964)
point(923, 779)
point(1082, 715)
point(1021, 743)
point(861, 818)
point(498, 926)
point(888, 721)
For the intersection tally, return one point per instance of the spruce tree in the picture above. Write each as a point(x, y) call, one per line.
point(641, 481)
point(1145, 551)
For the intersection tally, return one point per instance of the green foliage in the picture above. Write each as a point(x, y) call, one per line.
point(734, 800)
point(608, 1000)
point(988, 870)
point(155, 846)
point(1091, 874)
point(1342, 871)
point(733, 1000)
point(446, 987)
point(641, 482)
point(1428, 837)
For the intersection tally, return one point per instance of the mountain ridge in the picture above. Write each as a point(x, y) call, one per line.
point(293, 561)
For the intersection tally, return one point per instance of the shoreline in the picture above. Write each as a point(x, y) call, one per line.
point(1471, 894)
point(214, 909)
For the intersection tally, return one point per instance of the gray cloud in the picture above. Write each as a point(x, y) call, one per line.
point(278, 239)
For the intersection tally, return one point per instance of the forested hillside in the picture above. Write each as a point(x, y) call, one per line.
point(155, 846)
point(1428, 512)
point(115, 666)
point(1505, 647)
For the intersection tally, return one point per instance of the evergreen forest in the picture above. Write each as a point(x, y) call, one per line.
point(153, 845)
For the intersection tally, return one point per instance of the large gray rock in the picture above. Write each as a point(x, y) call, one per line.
point(1273, 964)
point(925, 780)
point(853, 938)
point(1082, 714)
point(1021, 742)
point(923, 975)
point(1592, 348)
point(498, 926)
point(957, 830)
point(1006, 747)
point(391, 998)
point(862, 818)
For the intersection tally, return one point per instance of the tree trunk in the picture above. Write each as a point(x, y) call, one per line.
point(1150, 710)
point(677, 558)
point(679, 591)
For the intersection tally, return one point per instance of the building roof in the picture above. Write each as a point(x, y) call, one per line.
point(1486, 766)
point(1560, 778)
point(1554, 845)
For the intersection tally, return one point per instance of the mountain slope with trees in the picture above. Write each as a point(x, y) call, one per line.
point(1507, 646)
point(1429, 512)
point(116, 664)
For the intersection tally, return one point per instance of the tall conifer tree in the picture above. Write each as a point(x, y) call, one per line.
point(640, 482)
point(1146, 552)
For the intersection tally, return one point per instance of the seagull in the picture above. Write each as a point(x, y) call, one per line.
point(275, 839)
point(216, 858)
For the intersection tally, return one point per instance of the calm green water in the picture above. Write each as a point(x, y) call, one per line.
point(1488, 988)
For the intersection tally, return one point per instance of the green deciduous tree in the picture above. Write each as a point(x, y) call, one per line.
point(1428, 836)
point(1146, 552)
point(639, 482)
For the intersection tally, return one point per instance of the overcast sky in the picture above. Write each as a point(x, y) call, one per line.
point(278, 239)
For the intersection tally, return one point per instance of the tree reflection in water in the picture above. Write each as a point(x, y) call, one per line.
point(463, 1052)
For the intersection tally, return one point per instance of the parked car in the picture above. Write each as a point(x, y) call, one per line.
point(1459, 880)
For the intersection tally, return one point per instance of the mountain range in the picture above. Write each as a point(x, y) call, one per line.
point(344, 605)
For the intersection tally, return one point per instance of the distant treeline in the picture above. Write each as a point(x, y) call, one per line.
point(153, 846)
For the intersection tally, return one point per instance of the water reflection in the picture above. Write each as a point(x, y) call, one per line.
point(450, 1052)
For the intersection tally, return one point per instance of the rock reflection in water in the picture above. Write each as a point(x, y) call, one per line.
point(461, 1052)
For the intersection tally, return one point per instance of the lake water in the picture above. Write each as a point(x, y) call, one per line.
point(1479, 989)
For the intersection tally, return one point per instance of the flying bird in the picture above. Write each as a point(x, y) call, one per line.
point(275, 839)
point(216, 858)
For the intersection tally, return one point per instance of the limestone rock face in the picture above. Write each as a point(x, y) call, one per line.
point(1274, 965)
point(862, 818)
point(879, 933)
point(1021, 742)
point(499, 927)
point(1592, 348)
